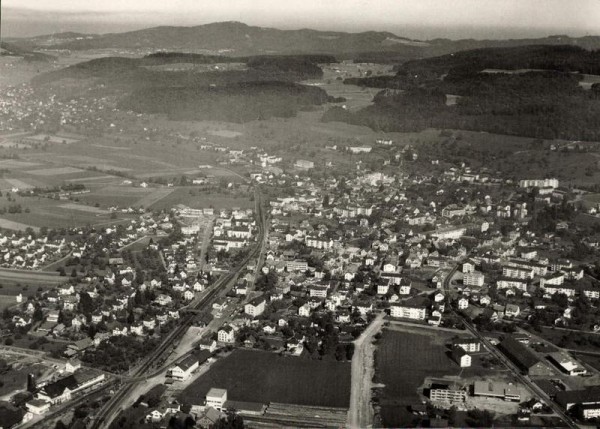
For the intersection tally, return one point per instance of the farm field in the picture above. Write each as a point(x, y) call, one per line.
point(257, 376)
point(50, 213)
point(200, 200)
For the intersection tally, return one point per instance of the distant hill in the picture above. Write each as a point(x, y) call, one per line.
point(238, 39)
point(10, 49)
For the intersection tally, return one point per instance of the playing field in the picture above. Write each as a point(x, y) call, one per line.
point(257, 376)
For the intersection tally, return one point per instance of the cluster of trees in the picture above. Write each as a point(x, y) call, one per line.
point(117, 353)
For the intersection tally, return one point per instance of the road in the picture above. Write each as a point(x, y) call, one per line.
point(360, 414)
point(112, 408)
point(204, 241)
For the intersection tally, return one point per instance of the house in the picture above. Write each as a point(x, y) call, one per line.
point(512, 310)
point(588, 401)
point(37, 406)
point(183, 369)
point(304, 311)
point(208, 343)
point(154, 416)
point(226, 335)
point(461, 357)
point(463, 303)
point(216, 398)
point(256, 307)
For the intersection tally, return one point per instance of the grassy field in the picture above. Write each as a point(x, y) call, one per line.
point(266, 377)
point(49, 212)
point(403, 361)
point(27, 282)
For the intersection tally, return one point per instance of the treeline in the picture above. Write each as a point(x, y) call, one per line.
point(565, 58)
point(236, 102)
point(547, 104)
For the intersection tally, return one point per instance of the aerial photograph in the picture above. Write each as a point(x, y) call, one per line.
point(299, 214)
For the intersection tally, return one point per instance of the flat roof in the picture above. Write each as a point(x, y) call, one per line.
point(216, 392)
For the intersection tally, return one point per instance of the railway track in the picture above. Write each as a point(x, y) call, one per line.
point(105, 415)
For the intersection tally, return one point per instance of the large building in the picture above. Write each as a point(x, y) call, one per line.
point(538, 183)
point(256, 307)
point(587, 400)
point(522, 357)
point(474, 278)
point(447, 392)
point(61, 390)
point(183, 369)
point(414, 308)
point(499, 390)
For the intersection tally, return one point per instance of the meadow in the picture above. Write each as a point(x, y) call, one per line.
point(264, 377)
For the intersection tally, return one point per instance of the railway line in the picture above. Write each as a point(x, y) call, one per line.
point(220, 288)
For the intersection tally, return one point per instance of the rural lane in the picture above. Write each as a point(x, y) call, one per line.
point(360, 414)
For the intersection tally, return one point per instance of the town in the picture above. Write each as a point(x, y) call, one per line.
point(214, 237)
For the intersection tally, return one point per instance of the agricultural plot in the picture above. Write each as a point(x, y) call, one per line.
point(17, 183)
point(16, 164)
point(154, 197)
point(39, 212)
point(266, 377)
point(54, 171)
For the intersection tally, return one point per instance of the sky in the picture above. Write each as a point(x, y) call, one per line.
point(422, 19)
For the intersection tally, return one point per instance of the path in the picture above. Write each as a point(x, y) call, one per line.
point(360, 414)
point(204, 238)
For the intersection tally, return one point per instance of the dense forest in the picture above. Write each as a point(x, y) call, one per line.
point(235, 102)
point(266, 88)
point(540, 103)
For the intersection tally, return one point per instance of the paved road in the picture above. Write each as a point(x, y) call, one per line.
point(360, 414)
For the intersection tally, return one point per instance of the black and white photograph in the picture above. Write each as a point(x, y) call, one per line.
point(264, 214)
